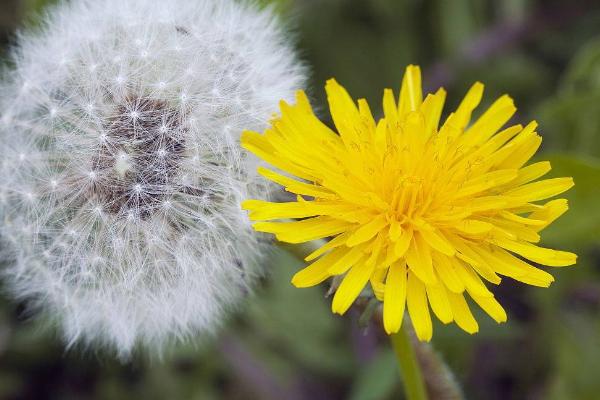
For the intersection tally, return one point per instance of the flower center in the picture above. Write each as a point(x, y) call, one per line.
point(138, 157)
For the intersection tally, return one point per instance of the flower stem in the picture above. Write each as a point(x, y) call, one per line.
point(410, 370)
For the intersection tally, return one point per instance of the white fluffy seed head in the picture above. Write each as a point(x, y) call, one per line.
point(121, 173)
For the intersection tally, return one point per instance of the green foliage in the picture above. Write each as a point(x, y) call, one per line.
point(571, 119)
point(279, 319)
point(458, 22)
point(579, 228)
point(577, 355)
point(378, 379)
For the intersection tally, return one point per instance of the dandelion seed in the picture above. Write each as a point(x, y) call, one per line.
point(140, 241)
point(419, 212)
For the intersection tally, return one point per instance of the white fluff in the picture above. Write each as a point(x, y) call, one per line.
point(122, 175)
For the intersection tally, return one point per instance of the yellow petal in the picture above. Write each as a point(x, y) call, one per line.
point(390, 110)
point(462, 315)
point(367, 117)
point(541, 255)
point(432, 111)
point(395, 230)
point(403, 242)
point(419, 260)
point(436, 240)
point(491, 307)
point(257, 144)
point(368, 231)
point(531, 173)
point(487, 203)
point(462, 116)
point(344, 112)
point(513, 231)
point(350, 258)
point(485, 182)
point(550, 212)
point(411, 94)
point(542, 189)
point(469, 256)
point(378, 282)
point(509, 265)
point(447, 273)
point(337, 241)
point(507, 151)
point(318, 271)
point(351, 286)
point(394, 297)
point(522, 153)
point(470, 279)
point(491, 121)
point(521, 220)
point(473, 227)
point(440, 304)
point(305, 230)
point(418, 309)
point(297, 187)
point(376, 247)
point(264, 210)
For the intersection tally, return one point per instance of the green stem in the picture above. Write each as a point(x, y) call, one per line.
point(410, 370)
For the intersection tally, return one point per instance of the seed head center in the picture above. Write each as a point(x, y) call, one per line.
point(138, 159)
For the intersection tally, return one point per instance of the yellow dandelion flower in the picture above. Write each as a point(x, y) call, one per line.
point(419, 212)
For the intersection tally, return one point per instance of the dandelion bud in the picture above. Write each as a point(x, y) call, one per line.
point(121, 171)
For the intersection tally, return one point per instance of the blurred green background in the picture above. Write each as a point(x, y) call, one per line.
point(286, 344)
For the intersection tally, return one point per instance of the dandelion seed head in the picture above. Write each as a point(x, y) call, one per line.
point(121, 172)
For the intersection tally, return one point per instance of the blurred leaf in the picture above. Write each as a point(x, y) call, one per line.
point(377, 380)
point(571, 123)
point(580, 226)
point(280, 6)
point(570, 120)
point(298, 321)
point(577, 352)
point(583, 74)
point(33, 10)
point(457, 24)
point(365, 45)
point(523, 77)
point(515, 10)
